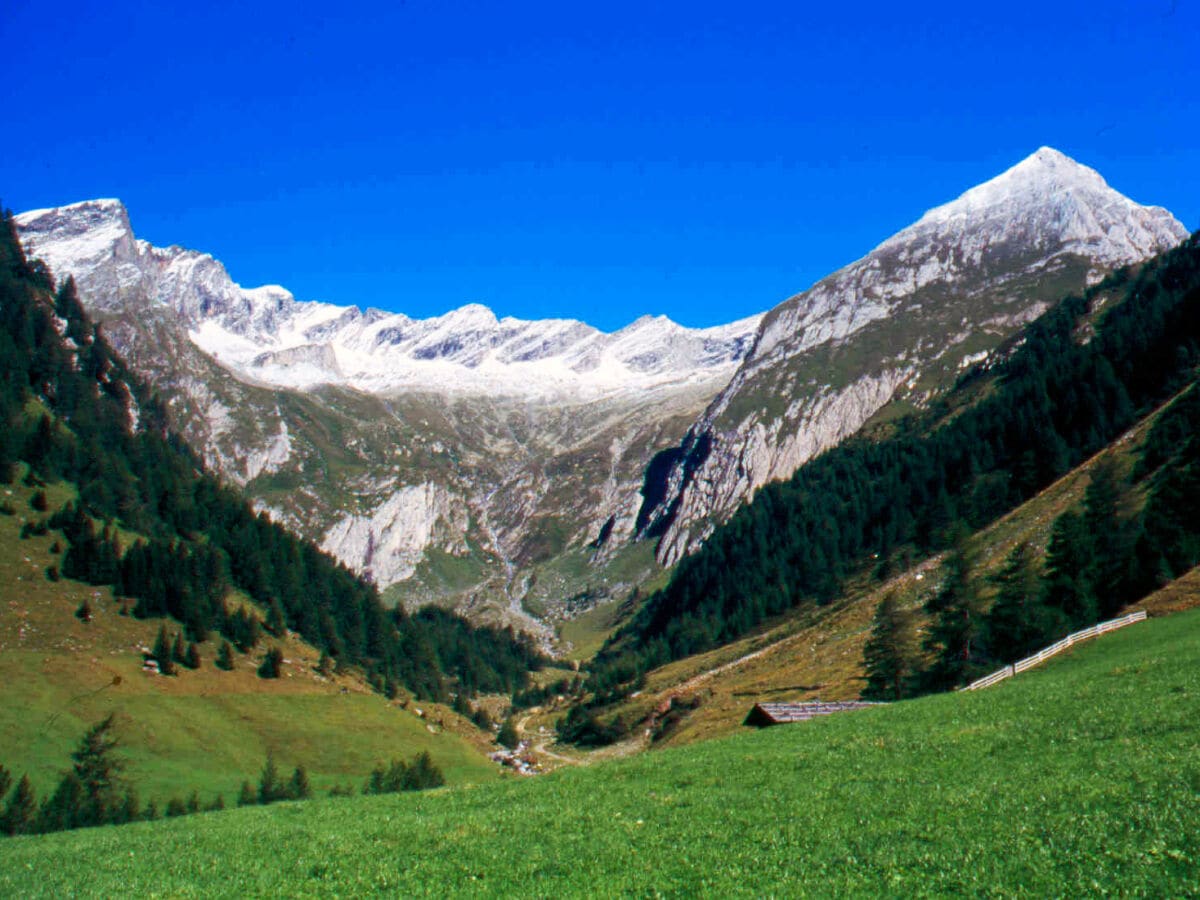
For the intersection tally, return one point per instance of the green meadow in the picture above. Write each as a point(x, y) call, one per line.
point(1079, 778)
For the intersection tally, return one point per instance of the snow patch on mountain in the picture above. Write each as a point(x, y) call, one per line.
point(265, 335)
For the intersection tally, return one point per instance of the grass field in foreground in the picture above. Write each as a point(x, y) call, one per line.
point(1079, 778)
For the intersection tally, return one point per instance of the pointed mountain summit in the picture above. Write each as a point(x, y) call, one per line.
point(894, 327)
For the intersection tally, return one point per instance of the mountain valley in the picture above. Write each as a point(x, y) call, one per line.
point(503, 467)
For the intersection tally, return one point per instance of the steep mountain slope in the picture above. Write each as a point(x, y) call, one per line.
point(896, 325)
point(1070, 384)
point(205, 730)
point(168, 537)
point(479, 444)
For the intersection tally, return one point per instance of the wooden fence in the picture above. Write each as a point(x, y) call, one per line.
point(1046, 652)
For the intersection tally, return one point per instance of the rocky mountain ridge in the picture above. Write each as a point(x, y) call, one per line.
point(897, 324)
point(443, 454)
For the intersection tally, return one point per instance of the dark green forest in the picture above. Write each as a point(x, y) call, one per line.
point(68, 408)
point(1072, 382)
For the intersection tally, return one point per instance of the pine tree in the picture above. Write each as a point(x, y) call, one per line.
point(178, 651)
point(271, 664)
point(192, 656)
point(269, 787)
point(247, 796)
point(21, 811)
point(953, 636)
point(6, 781)
point(131, 807)
point(162, 652)
point(890, 652)
point(1017, 624)
point(98, 772)
point(1110, 571)
point(325, 665)
point(424, 774)
point(224, 658)
point(63, 809)
point(507, 736)
point(276, 622)
point(298, 787)
point(1066, 588)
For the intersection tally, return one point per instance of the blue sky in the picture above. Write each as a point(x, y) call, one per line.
point(599, 161)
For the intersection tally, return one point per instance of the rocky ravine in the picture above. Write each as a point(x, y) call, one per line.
point(893, 327)
point(443, 457)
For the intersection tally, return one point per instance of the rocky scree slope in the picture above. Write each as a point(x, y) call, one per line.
point(892, 328)
point(447, 454)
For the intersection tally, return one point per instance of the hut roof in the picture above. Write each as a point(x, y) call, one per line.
point(764, 714)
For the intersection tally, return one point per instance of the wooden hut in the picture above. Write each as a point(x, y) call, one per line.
point(765, 714)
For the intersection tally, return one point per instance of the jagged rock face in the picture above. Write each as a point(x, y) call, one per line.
point(896, 325)
point(405, 447)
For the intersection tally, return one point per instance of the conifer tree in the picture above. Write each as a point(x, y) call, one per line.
point(276, 622)
point(271, 664)
point(1017, 624)
point(224, 658)
point(192, 656)
point(298, 787)
point(98, 772)
point(424, 773)
point(270, 788)
point(1110, 571)
point(62, 809)
point(247, 796)
point(890, 652)
point(131, 807)
point(178, 651)
point(953, 636)
point(507, 736)
point(325, 665)
point(6, 780)
point(1066, 588)
point(162, 652)
point(21, 811)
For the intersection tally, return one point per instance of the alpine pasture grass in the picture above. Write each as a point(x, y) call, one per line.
point(1079, 778)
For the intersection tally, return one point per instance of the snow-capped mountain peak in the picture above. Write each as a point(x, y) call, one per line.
point(264, 334)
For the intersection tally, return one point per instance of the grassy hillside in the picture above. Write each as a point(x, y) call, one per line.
point(205, 730)
point(1080, 778)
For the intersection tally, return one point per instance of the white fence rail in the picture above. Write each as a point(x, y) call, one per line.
point(1046, 652)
